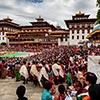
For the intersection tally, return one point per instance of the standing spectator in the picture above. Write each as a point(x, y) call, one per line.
point(24, 72)
point(0, 70)
point(43, 75)
point(34, 72)
point(17, 74)
point(3, 75)
point(58, 71)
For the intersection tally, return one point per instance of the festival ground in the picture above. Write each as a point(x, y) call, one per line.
point(8, 90)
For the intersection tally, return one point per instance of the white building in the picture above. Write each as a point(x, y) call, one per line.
point(79, 27)
point(6, 25)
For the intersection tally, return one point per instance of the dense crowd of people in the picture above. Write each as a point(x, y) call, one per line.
point(54, 65)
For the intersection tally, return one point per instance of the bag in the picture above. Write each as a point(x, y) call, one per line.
point(68, 98)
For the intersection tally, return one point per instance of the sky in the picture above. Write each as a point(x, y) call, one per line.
point(53, 11)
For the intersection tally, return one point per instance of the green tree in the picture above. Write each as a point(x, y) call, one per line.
point(98, 3)
point(98, 13)
point(98, 16)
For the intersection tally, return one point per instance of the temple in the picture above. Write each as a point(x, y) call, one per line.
point(39, 32)
point(79, 27)
point(6, 25)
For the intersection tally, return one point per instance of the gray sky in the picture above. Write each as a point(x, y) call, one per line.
point(54, 11)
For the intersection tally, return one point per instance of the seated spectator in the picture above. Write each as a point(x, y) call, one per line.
point(62, 92)
point(94, 92)
point(20, 93)
point(90, 79)
point(46, 94)
point(81, 92)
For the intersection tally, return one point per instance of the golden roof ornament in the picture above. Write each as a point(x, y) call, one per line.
point(7, 19)
point(80, 13)
point(39, 19)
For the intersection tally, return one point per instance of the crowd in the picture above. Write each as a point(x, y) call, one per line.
point(55, 65)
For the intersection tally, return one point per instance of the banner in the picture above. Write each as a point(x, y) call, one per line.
point(94, 66)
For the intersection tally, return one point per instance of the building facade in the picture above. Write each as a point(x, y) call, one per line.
point(79, 27)
point(6, 25)
point(94, 36)
point(38, 33)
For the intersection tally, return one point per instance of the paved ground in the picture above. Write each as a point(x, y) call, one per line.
point(8, 90)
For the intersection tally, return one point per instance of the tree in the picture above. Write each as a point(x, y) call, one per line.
point(98, 13)
point(98, 16)
point(98, 3)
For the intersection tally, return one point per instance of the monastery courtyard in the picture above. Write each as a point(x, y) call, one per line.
point(8, 90)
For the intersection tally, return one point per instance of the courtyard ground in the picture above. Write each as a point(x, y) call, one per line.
point(8, 90)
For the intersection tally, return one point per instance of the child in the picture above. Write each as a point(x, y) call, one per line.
point(20, 93)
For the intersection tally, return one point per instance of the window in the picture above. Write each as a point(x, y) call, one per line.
point(61, 39)
point(78, 37)
point(66, 39)
point(82, 31)
point(72, 31)
point(88, 31)
point(3, 38)
point(82, 37)
point(72, 37)
point(77, 31)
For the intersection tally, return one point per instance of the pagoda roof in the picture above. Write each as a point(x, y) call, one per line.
point(79, 21)
point(40, 25)
point(81, 14)
point(10, 23)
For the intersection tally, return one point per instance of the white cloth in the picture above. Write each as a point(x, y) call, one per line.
point(34, 71)
point(24, 72)
point(55, 68)
point(68, 98)
point(43, 73)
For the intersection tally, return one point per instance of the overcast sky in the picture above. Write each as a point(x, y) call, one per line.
point(54, 11)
